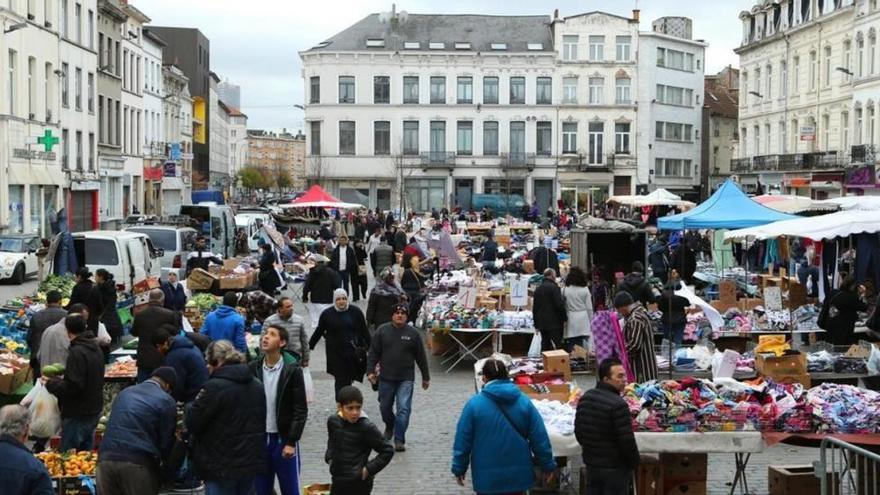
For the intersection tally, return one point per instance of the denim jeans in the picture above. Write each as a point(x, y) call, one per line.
point(346, 279)
point(287, 470)
point(78, 433)
point(241, 486)
point(391, 391)
point(677, 331)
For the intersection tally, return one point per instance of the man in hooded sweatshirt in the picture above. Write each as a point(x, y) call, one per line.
point(637, 286)
point(225, 323)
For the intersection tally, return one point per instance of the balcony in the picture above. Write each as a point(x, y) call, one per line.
point(438, 159)
point(518, 159)
point(863, 153)
point(791, 162)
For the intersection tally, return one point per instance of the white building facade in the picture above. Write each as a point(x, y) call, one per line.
point(218, 165)
point(861, 177)
point(671, 107)
point(237, 141)
point(155, 148)
point(178, 117)
point(133, 119)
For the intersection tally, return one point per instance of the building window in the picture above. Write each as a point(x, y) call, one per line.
point(623, 48)
point(411, 89)
point(79, 150)
point(438, 90)
point(768, 91)
point(544, 138)
point(674, 59)
point(544, 94)
point(596, 89)
point(621, 138)
point(826, 72)
point(438, 136)
point(410, 137)
point(78, 88)
point(755, 98)
point(783, 138)
point(32, 87)
point(518, 140)
point(796, 68)
point(596, 132)
point(381, 89)
point(465, 138)
point(847, 60)
point(47, 92)
point(65, 147)
point(569, 47)
point(77, 18)
point(425, 194)
point(465, 90)
point(91, 31)
point(315, 89)
point(814, 70)
point(569, 90)
point(672, 167)
point(872, 54)
point(844, 129)
point(671, 95)
point(569, 138)
point(517, 90)
point(91, 95)
point(381, 137)
point(783, 79)
point(622, 91)
point(346, 89)
point(597, 48)
point(65, 82)
point(346, 137)
point(490, 90)
point(91, 152)
point(860, 57)
point(64, 18)
point(672, 131)
point(490, 138)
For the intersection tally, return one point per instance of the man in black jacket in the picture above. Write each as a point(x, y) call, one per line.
point(286, 411)
point(145, 325)
point(42, 320)
point(603, 428)
point(544, 258)
point(549, 312)
point(638, 287)
point(80, 391)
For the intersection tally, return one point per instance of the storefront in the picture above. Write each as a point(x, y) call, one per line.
point(82, 205)
point(425, 193)
point(828, 185)
point(862, 181)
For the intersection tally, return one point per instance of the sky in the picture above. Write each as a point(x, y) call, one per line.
point(256, 43)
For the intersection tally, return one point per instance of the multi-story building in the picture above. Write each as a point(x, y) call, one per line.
point(190, 51)
point(218, 170)
point(799, 62)
point(77, 109)
point(30, 171)
point(154, 143)
point(861, 177)
point(237, 141)
point(274, 152)
point(111, 163)
point(133, 118)
point(298, 173)
point(230, 94)
point(178, 117)
point(720, 129)
point(670, 110)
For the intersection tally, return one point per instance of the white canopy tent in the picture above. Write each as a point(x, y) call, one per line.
point(864, 203)
point(659, 197)
point(839, 224)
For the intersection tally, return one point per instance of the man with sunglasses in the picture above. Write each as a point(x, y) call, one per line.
point(396, 348)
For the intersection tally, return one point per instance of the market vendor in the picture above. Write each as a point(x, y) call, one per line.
point(83, 288)
point(201, 257)
point(638, 333)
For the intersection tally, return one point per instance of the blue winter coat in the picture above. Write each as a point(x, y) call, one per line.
point(189, 363)
point(141, 426)
point(175, 299)
point(499, 456)
point(20, 472)
point(226, 324)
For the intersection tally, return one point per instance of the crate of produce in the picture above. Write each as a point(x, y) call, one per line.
point(200, 279)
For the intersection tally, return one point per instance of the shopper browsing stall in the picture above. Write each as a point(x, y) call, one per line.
point(638, 334)
point(549, 312)
point(175, 296)
point(147, 323)
point(188, 362)
point(225, 323)
point(579, 309)
point(43, 319)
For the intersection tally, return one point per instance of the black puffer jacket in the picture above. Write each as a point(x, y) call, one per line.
point(344, 331)
point(383, 299)
point(80, 392)
point(673, 308)
point(638, 288)
point(291, 409)
point(110, 316)
point(320, 284)
point(228, 423)
point(603, 428)
point(349, 446)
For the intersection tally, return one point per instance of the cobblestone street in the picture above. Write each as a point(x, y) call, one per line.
point(424, 467)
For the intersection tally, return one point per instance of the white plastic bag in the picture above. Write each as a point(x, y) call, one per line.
point(535, 347)
point(874, 361)
point(310, 386)
point(45, 415)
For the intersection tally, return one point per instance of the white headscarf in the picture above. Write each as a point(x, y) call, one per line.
point(336, 295)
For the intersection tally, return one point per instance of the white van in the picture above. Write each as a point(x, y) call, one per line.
point(251, 223)
point(175, 241)
point(217, 225)
point(129, 256)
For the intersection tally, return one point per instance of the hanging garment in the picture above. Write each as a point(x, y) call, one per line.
point(722, 252)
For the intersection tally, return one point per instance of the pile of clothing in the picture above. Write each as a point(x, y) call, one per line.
point(736, 321)
point(772, 320)
point(805, 318)
point(845, 409)
point(697, 327)
point(820, 362)
point(826, 362)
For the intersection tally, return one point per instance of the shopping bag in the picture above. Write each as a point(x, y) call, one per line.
point(45, 415)
point(310, 386)
point(535, 347)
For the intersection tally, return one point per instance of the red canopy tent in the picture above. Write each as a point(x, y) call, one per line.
point(317, 197)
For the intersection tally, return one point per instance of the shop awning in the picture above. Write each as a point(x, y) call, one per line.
point(865, 203)
point(45, 175)
point(839, 224)
point(659, 197)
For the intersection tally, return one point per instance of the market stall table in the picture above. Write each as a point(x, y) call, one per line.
point(463, 350)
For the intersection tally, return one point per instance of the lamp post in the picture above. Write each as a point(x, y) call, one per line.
point(15, 27)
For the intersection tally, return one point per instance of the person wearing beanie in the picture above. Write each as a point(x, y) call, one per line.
point(347, 339)
point(638, 334)
point(139, 436)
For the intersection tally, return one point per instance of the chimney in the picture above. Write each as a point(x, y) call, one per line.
point(556, 15)
point(636, 14)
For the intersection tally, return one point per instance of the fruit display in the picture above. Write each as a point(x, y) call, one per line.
point(72, 463)
point(121, 369)
point(13, 345)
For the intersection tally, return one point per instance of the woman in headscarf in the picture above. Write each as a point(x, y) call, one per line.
point(344, 328)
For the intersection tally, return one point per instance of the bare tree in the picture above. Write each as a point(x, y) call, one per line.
point(317, 170)
point(403, 167)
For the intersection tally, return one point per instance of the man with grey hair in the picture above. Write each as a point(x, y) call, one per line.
point(298, 338)
point(549, 312)
point(20, 472)
point(146, 323)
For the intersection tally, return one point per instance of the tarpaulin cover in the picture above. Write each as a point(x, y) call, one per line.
point(728, 208)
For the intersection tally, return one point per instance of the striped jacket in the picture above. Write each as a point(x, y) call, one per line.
point(638, 332)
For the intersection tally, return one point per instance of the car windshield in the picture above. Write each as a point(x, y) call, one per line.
point(11, 245)
point(164, 239)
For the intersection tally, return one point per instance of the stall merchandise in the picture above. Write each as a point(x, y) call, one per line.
point(69, 464)
point(844, 409)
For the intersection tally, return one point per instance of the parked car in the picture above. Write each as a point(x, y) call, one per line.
point(129, 256)
point(18, 258)
point(175, 241)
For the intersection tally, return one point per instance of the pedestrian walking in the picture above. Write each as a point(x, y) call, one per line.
point(603, 427)
point(43, 319)
point(318, 288)
point(344, 262)
point(225, 323)
point(20, 472)
point(227, 422)
point(269, 279)
point(145, 325)
point(382, 256)
point(351, 439)
point(396, 349)
point(359, 278)
point(139, 436)
point(286, 412)
point(638, 335)
point(80, 390)
point(578, 308)
point(108, 315)
point(82, 290)
point(549, 312)
point(347, 339)
point(297, 343)
point(499, 432)
point(384, 297)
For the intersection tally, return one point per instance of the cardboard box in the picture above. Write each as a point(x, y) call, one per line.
point(236, 281)
point(802, 378)
point(215, 269)
point(558, 362)
point(649, 479)
point(750, 303)
point(141, 287)
point(231, 264)
point(201, 280)
point(722, 306)
point(528, 266)
point(770, 365)
point(727, 291)
point(792, 480)
point(558, 393)
point(488, 303)
point(687, 488)
point(679, 468)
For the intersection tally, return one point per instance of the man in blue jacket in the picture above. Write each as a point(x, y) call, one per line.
point(20, 472)
point(225, 323)
point(188, 362)
point(139, 436)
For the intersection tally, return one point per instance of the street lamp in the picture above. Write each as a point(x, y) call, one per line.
point(300, 107)
point(15, 27)
point(844, 70)
point(759, 95)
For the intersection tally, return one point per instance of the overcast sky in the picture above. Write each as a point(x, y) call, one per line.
point(255, 43)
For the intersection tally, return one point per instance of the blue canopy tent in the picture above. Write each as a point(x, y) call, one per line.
point(728, 208)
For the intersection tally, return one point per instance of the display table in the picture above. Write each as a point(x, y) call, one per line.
point(462, 350)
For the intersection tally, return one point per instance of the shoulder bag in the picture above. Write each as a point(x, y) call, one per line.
point(517, 430)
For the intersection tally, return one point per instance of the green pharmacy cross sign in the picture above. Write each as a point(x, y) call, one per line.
point(48, 140)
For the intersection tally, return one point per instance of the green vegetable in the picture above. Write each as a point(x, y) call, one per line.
point(204, 302)
point(62, 283)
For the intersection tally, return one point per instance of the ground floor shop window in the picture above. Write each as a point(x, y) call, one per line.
point(383, 199)
point(16, 209)
point(424, 194)
point(583, 198)
point(504, 186)
point(360, 195)
point(35, 207)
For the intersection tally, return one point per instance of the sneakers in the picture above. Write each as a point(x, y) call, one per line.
point(389, 433)
point(399, 446)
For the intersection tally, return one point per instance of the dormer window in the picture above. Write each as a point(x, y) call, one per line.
point(499, 46)
point(535, 46)
point(375, 43)
point(436, 45)
point(462, 45)
point(411, 45)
